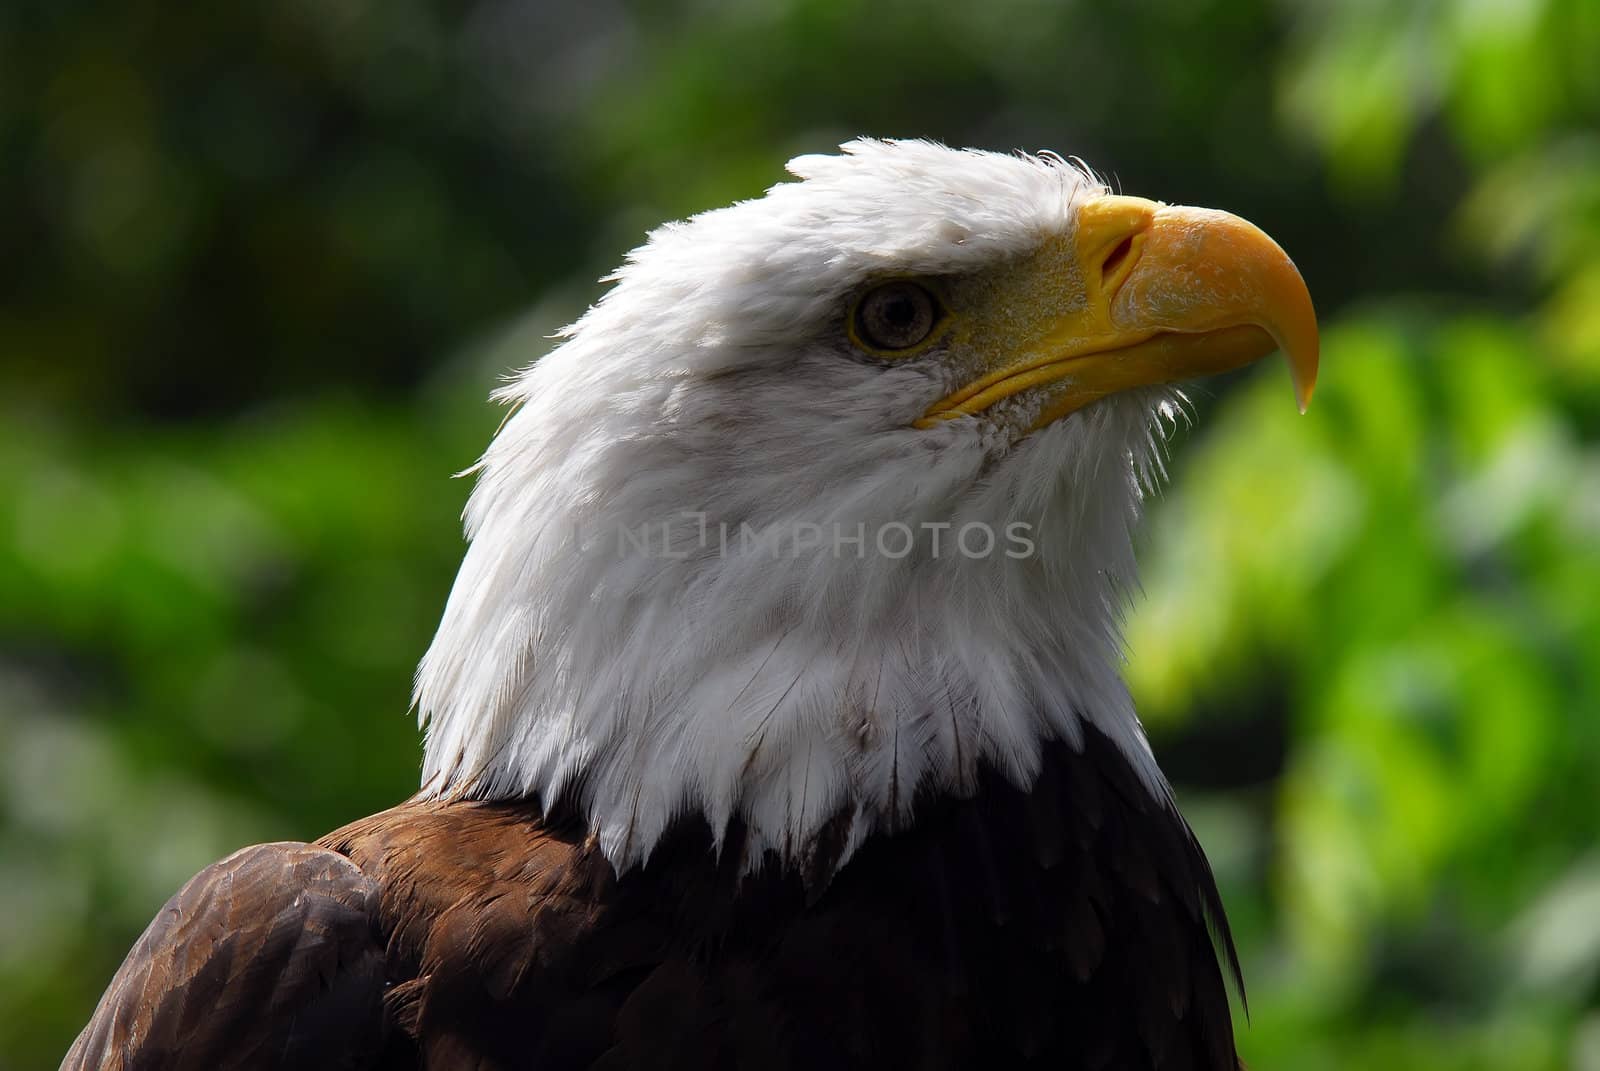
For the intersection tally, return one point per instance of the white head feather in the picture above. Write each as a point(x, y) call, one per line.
point(786, 684)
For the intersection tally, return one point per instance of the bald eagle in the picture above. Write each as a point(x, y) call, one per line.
point(775, 719)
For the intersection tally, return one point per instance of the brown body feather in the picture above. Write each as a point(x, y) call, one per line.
point(1062, 927)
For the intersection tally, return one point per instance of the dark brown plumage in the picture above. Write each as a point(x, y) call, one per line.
point(1062, 927)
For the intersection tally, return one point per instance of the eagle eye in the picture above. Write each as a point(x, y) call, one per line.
point(895, 316)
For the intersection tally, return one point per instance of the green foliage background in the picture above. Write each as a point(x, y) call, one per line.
point(263, 263)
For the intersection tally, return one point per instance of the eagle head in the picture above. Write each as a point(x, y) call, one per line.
point(828, 500)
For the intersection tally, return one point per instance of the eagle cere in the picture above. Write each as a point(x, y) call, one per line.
point(797, 797)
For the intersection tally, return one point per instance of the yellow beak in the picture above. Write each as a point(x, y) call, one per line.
point(1171, 294)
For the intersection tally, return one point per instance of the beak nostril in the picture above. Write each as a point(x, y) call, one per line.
point(1116, 258)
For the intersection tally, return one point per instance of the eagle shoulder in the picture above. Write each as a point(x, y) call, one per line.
point(501, 932)
point(266, 959)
